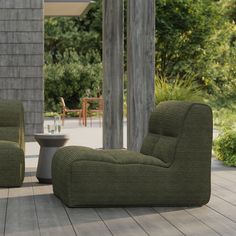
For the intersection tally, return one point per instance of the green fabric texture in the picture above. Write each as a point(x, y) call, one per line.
point(172, 169)
point(12, 144)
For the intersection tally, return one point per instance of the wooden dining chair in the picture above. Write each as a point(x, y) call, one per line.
point(98, 111)
point(66, 110)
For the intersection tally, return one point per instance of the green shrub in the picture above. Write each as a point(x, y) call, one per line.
point(177, 89)
point(224, 111)
point(73, 81)
point(225, 118)
point(51, 114)
point(225, 147)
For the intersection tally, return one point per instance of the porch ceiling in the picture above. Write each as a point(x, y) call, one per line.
point(66, 7)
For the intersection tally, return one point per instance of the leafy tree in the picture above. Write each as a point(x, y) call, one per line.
point(75, 34)
point(195, 37)
point(73, 55)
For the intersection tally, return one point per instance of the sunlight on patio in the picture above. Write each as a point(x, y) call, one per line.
point(90, 136)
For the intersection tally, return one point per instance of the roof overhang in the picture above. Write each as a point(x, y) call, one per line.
point(66, 7)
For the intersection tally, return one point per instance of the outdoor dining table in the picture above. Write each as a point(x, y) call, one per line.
point(85, 102)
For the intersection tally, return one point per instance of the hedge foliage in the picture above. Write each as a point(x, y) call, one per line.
point(72, 81)
point(225, 147)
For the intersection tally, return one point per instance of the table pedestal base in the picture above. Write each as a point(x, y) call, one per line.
point(44, 181)
point(49, 144)
point(43, 173)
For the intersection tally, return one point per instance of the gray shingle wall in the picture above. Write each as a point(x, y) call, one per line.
point(21, 58)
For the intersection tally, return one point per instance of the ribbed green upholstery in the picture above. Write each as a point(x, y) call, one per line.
point(12, 144)
point(172, 169)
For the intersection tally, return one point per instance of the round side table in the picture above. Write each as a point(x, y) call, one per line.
point(49, 143)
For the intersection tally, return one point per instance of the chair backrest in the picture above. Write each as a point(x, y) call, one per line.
point(101, 104)
point(179, 127)
point(12, 122)
point(63, 102)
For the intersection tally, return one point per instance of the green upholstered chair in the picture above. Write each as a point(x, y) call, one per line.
point(172, 168)
point(12, 163)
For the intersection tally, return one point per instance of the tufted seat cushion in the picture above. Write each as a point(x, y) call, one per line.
point(111, 156)
point(107, 171)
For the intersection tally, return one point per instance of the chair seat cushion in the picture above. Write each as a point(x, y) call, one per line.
point(72, 154)
point(10, 151)
point(12, 164)
point(8, 144)
point(85, 177)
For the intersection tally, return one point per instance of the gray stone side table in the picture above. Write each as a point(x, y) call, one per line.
point(49, 143)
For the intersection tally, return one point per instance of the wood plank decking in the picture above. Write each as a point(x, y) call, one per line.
point(34, 210)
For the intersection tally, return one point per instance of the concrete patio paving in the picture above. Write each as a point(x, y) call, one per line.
point(90, 136)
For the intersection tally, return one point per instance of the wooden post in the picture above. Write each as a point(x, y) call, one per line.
point(113, 46)
point(141, 69)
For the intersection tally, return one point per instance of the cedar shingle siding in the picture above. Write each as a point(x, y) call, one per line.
point(21, 58)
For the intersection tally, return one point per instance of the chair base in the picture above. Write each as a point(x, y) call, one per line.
point(84, 177)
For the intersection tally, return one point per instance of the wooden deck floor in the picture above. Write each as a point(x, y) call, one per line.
point(34, 210)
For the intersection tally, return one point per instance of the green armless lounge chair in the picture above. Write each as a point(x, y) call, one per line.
point(12, 164)
point(172, 168)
